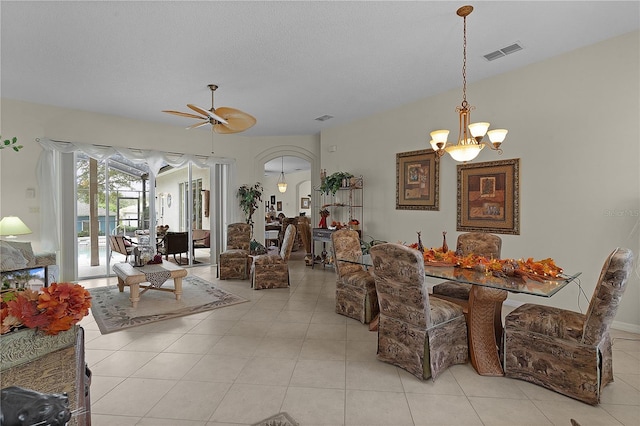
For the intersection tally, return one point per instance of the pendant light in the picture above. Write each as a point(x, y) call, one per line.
point(282, 185)
point(470, 137)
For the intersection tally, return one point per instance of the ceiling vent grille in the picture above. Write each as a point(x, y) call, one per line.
point(512, 48)
point(324, 117)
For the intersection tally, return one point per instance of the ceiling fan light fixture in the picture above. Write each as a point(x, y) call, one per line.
point(223, 120)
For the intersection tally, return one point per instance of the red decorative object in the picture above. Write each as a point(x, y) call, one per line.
point(324, 214)
point(54, 309)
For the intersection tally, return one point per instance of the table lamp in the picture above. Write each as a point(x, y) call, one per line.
point(10, 226)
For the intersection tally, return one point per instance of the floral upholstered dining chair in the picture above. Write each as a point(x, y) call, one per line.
point(421, 334)
point(355, 288)
point(565, 351)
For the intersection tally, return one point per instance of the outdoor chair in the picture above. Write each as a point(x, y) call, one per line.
point(233, 261)
point(421, 334)
point(174, 243)
point(482, 244)
point(121, 244)
point(565, 351)
point(355, 288)
point(272, 270)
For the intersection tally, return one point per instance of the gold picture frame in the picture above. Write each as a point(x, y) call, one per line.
point(489, 197)
point(417, 180)
point(305, 203)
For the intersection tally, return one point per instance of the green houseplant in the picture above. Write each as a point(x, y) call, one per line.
point(333, 182)
point(249, 197)
point(10, 143)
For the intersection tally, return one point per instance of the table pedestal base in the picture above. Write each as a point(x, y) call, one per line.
point(483, 347)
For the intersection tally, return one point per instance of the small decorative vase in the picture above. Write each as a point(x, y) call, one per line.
point(445, 247)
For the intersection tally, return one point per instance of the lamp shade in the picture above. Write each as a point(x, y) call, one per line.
point(464, 153)
point(282, 186)
point(10, 226)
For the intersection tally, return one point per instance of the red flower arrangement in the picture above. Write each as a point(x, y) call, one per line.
point(53, 309)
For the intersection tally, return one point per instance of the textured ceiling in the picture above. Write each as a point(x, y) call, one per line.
point(286, 63)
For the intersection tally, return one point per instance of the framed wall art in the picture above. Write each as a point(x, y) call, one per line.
point(489, 197)
point(279, 206)
point(417, 180)
point(304, 203)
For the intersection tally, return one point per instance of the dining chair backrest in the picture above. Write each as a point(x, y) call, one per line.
point(399, 276)
point(287, 243)
point(238, 236)
point(346, 245)
point(480, 243)
point(607, 295)
point(176, 242)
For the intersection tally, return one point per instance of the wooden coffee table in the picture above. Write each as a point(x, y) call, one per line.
point(134, 277)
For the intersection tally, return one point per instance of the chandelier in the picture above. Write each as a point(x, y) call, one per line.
point(470, 135)
point(282, 185)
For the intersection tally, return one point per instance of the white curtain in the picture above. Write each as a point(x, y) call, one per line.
point(48, 176)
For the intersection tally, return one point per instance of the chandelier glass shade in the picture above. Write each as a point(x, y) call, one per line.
point(470, 135)
point(282, 185)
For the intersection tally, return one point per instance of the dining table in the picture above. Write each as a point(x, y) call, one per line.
point(488, 291)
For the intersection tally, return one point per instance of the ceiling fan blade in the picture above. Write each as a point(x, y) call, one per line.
point(185, 114)
point(237, 120)
point(207, 113)
point(195, 126)
point(223, 129)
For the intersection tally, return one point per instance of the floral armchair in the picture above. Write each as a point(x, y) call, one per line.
point(272, 270)
point(233, 261)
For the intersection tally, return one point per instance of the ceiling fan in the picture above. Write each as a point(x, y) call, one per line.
point(223, 119)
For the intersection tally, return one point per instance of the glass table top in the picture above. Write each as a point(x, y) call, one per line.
point(540, 286)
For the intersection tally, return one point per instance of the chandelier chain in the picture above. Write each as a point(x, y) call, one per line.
point(464, 63)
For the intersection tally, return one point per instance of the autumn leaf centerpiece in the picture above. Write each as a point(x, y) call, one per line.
point(52, 309)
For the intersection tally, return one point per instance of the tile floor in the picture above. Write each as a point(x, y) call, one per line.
point(286, 350)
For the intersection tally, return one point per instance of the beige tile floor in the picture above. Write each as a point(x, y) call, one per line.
point(286, 350)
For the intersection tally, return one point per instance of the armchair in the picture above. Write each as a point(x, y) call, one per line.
point(565, 351)
point(272, 270)
point(421, 334)
point(233, 261)
point(121, 244)
point(355, 288)
point(174, 243)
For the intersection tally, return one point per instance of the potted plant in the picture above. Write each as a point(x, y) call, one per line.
point(249, 197)
point(333, 182)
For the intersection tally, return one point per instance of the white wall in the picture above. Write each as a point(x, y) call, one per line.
point(573, 122)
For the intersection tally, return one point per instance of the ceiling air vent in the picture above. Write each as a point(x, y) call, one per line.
point(324, 117)
point(512, 48)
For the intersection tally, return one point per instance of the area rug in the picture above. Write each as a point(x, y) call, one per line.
point(112, 310)
point(280, 419)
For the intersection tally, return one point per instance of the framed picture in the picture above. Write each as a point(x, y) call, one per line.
point(417, 180)
point(304, 203)
point(273, 199)
point(279, 206)
point(489, 197)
